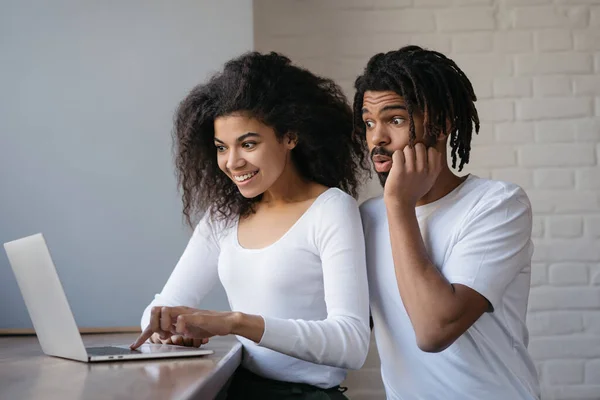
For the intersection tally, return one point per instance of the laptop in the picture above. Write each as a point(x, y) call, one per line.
point(51, 314)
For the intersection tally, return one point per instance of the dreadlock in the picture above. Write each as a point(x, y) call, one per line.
point(431, 83)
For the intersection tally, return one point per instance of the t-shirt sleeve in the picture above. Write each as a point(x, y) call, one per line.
point(342, 339)
point(194, 275)
point(494, 244)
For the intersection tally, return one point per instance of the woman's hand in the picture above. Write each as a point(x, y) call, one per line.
point(189, 323)
point(178, 340)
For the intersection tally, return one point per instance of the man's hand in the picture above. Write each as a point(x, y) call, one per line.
point(190, 323)
point(413, 173)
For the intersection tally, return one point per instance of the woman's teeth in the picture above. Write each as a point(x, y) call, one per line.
point(243, 178)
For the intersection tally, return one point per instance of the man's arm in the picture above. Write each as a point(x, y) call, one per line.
point(439, 311)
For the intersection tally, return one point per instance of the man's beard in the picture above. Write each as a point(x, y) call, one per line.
point(382, 152)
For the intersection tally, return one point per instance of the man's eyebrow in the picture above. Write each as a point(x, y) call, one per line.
point(387, 108)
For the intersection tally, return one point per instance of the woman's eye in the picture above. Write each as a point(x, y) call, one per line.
point(248, 145)
point(397, 120)
point(369, 124)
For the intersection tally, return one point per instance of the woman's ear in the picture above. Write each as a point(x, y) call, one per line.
point(291, 140)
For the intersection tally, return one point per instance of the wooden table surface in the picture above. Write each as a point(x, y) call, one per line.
point(27, 373)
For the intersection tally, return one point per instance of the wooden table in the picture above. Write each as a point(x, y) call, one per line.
point(27, 373)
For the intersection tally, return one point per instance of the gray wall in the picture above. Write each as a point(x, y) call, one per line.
point(87, 94)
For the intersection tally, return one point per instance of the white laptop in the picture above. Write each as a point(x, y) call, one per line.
point(51, 314)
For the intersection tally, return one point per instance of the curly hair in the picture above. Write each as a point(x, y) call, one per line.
point(431, 83)
point(290, 100)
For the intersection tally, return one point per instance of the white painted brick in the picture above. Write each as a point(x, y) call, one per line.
point(589, 84)
point(553, 63)
point(295, 21)
point(568, 274)
point(588, 178)
point(512, 87)
point(595, 16)
point(541, 204)
point(496, 110)
point(539, 276)
point(553, 40)
point(381, 21)
point(553, 107)
point(592, 226)
point(525, 2)
point(471, 43)
point(550, 17)
point(513, 41)
point(465, 19)
point(431, 3)
point(545, 86)
point(579, 201)
point(473, 2)
point(594, 274)
point(592, 372)
point(369, 45)
point(563, 226)
point(572, 346)
point(359, 4)
point(556, 155)
point(484, 65)
point(433, 41)
point(537, 227)
point(340, 68)
point(558, 250)
point(553, 178)
point(557, 298)
point(482, 87)
point(554, 322)
point(564, 372)
point(587, 40)
point(493, 156)
point(297, 47)
point(561, 201)
point(587, 130)
point(485, 135)
point(520, 176)
point(514, 132)
point(597, 63)
point(591, 322)
point(597, 106)
point(555, 131)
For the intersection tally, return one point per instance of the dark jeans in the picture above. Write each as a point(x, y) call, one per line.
point(246, 385)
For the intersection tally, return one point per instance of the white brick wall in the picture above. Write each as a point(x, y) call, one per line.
point(535, 66)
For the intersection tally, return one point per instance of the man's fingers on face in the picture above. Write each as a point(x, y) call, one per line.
point(421, 157)
point(409, 157)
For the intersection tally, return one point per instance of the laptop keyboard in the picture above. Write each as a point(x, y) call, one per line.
point(109, 351)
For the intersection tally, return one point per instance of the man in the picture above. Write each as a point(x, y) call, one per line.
point(449, 257)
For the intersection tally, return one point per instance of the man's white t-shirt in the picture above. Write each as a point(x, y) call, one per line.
point(479, 235)
point(310, 287)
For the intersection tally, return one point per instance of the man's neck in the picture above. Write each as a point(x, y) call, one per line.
point(445, 183)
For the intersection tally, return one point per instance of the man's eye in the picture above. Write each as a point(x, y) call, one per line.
point(220, 149)
point(369, 124)
point(249, 145)
point(397, 120)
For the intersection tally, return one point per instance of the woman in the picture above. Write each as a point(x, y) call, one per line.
point(267, 149)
